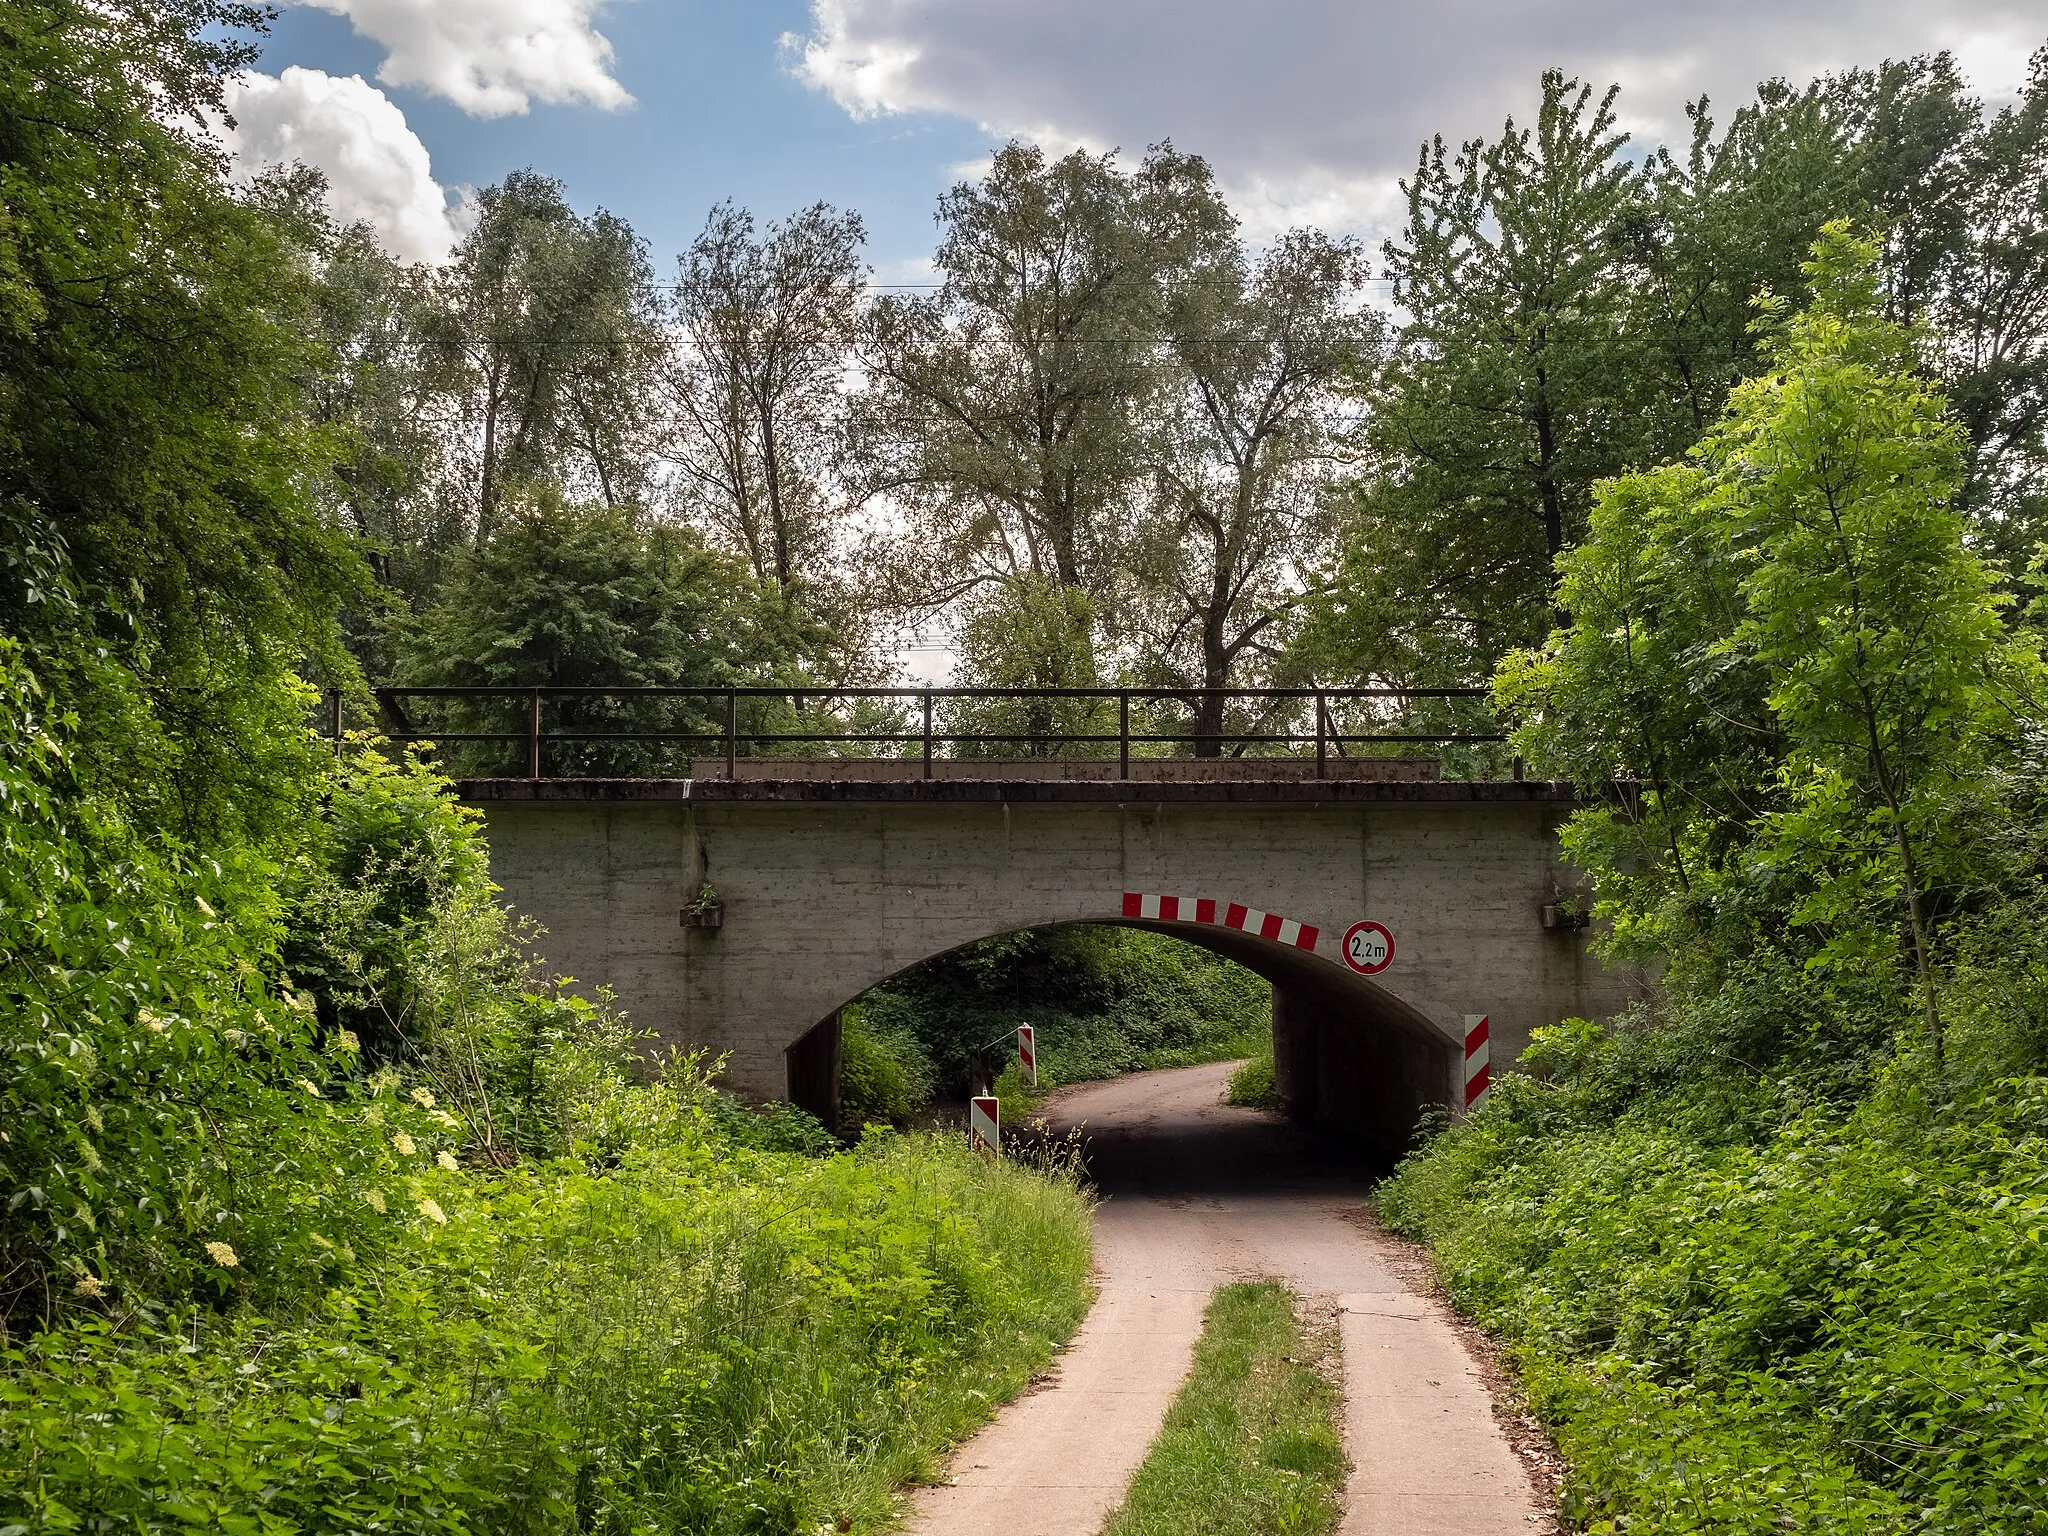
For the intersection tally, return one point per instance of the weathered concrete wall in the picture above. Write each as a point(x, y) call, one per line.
point(826, 898)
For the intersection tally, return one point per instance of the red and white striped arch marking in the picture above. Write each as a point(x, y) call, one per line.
point(1478, 1056)
point(1223, 914)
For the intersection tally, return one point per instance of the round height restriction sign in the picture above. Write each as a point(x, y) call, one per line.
point(1368, 948)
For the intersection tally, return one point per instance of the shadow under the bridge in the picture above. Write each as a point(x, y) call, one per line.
point(1169, 1134)
point(1357, 1067)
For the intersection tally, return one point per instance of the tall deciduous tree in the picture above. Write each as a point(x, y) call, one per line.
point(589, 597)
point(1027, 633)
point(1734, 215)
point(1511, 392)
point(766, 323)
point(154, 438)
point(545, 328)
point(1002, 412)
point(1788, 644)
point(1989, 322)
point(1239, 455)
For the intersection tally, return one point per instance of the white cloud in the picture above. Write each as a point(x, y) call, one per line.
point(1311, 109)
point(492, 58)
point(377, 169)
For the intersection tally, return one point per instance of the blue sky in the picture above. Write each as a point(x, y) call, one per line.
point(1309, 109)
point(715, 115)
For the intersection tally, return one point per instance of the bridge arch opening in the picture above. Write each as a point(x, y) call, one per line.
point(1352, 1057)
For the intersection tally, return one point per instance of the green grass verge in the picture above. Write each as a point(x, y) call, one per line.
point(705, 1341)
point(1254, 1041)
point(1254, 1085)
point(1835, 1327)
point(1252, 1444)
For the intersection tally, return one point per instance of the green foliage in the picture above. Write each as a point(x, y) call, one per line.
point(883, 1073)
point(706, 1340)
point(1254, 1084)
point(1029, 632)
point(1769, 1249)
point(1503, 401)
point(1805, 573)
point(584, 597)
point(1578, 313)
point(1002, 410)
point(1252, 1443)
point(153, 439)
point(1840, 1325)
point(543, 326)
point(1104, 1001)
point(154, 1055)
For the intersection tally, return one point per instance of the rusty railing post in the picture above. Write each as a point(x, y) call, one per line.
point(1123, 733)
point(1322, 736)
point(334, 717)
point(927, 731)
point(533, 738)
point(732, 734)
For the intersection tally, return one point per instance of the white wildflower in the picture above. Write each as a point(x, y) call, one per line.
point(433, 1212)
point(424, 1099)
point(405, 1144)
point(222, 1255)
point(376, 1199)
point(89, 1286)
point(447, 1160)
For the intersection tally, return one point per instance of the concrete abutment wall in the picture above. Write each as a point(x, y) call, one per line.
point(825, 897)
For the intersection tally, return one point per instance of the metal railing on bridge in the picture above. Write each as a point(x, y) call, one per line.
point(584, 732)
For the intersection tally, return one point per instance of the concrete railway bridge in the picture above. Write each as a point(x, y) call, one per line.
point(833, 874)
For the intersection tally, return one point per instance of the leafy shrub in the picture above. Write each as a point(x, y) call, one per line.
point(1254, 1085)
point(168, 1096)
point(707, 1340)
point(1841, 1325)
point(883, 1076)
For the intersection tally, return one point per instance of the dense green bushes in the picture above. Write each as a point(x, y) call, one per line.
point(1773, 1249)
point(1255, 1085)
point(400, 1242)
point(703, 1340)
point(1840, 1324)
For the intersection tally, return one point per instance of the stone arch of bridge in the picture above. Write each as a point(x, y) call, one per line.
point(1352, 1056)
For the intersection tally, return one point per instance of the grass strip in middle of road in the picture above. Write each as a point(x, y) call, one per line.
point(1252, 1444)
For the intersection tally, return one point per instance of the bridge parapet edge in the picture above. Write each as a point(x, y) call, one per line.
point(1023, 791)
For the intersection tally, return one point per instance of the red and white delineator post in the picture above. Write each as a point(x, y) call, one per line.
point(1027, 1051)
point(985, 1124)
point(1478, 1055)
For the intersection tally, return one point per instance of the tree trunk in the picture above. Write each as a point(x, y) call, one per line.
point(1210, 710)
point(487, 491)
point(771, 474)
point(1922, 960)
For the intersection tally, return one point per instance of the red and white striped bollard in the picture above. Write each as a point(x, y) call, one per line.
point(1478, 1054)
point(985, 1124)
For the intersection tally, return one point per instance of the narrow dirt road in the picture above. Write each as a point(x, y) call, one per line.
point(1195, 1194)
